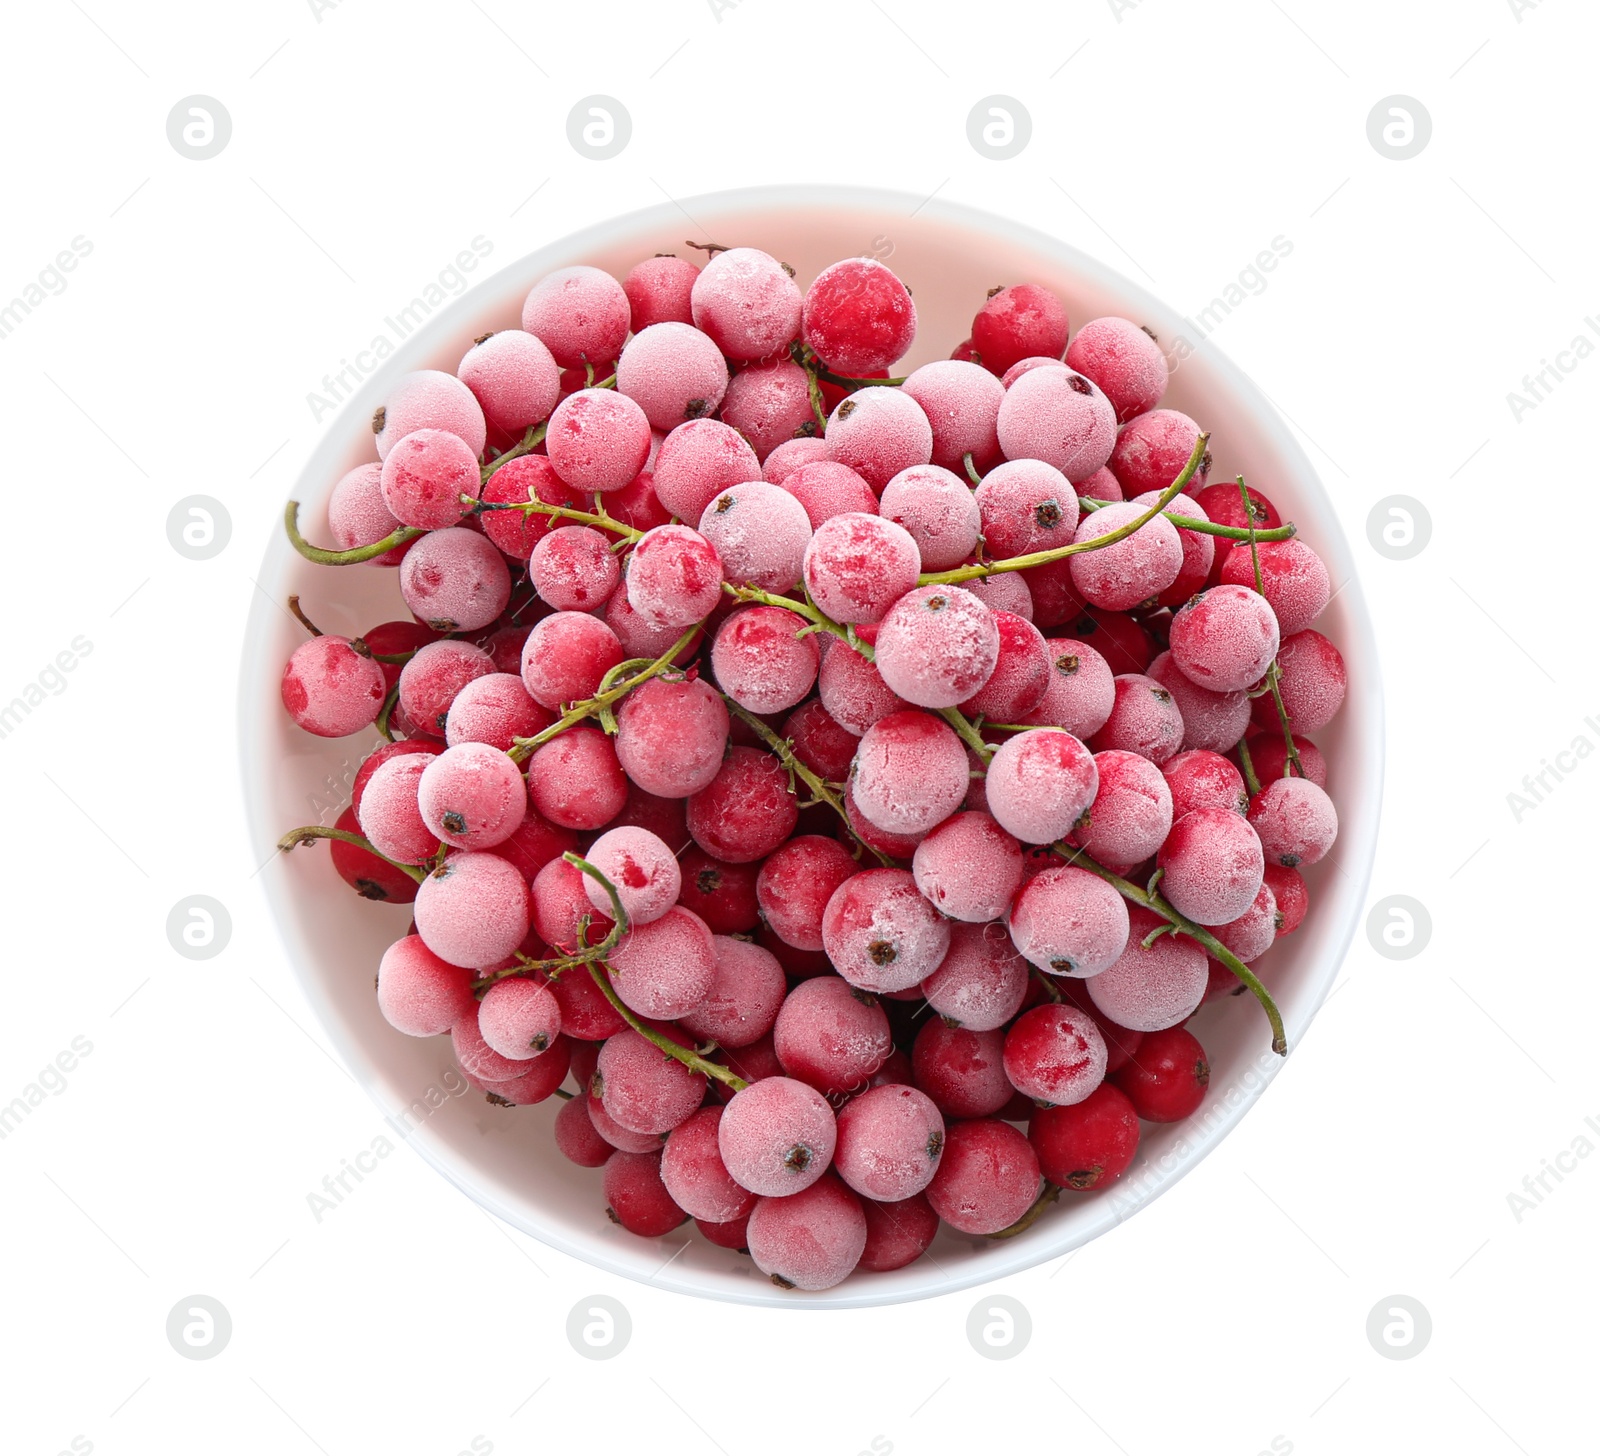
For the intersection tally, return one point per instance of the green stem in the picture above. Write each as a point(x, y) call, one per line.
point(534, 435)
point(577, 712)
point(1233, 533)
point(969, 733)
point(1044, 558)
point(387, 711)
point(599, 520)
point(971, 469)
point(807, 610)
point(324, 557)
point(586, 955)
point(690, 1058)
point(1291, 762)
point(310, 832)
point(807, 360)
point(1251, 782)
point(1129, 891)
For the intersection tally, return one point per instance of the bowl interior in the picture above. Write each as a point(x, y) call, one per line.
point(949, 257)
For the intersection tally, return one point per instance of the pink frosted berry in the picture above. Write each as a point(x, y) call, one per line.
point(643, 1088)
point(795, 884)
point(455, 580)
point(961, 1070)
point(581, 314)
point(474, 909)
point(1131, 570)
point(519, 1017)
point(525, 478)
point(827, 488)
point(1145, 719)
point(857, 566)
point(331, 688)
point(890, 1140)
point(1026, 506)
point(640, 866)
point(358, 515)
point(858, 317)
point(577, 1138)
point(936, 646)
point(1021, 676)
point(1055, 1055)
point(666, 968)
point(1296, 821)
point(598, 440)
point(769, 404)
point(746, 992)
point(1211, 867)
point(695, 1175)
point(698, 461)
point(1152, 450)
point(1199, 548)
point(1132, 811)
point(566, 657)
point(1312, 683)
point(641, 637)
point(962, 402)
point(854, 692)
point(671, 736)
point(822, 743)
point(636, 1198)
point(1294, 580)
point(938, 508)
point(1251, 934)
point(1025, 366)
point(810, 1241)
point(777, 1136)
point(761, 661)
point(674, 373)
point(759, 533)
point(420, 994)
point(1224, 639)
point(988, 1177)
point(1102, 485)
point(1124, 360)
point(429, 399)
point(472, 796)
point(1152, 987)
point(574, 568)
point(981, 982)
point(575, 780)
point(880, 934)
point(674, 577)
point(788, 457)
point(878, 432)
point(1070, 922)
point(746, 811)
point(1023, 321)
point(897, 1233)
point(494, 709)
point(1039, 783)
point(389, 817)
point(1211, 720)
point(426, 475)
point(968, 867)
point(658, 291)
point(910, 772)
point(747, 302)
point(513, 377)
point(477, 1058)
point(560, 903)
point(831, 1035)
point(1200, 779)
point(1081, 692)
point(1060, 417)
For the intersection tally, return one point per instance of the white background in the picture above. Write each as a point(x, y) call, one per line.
point(370, 145)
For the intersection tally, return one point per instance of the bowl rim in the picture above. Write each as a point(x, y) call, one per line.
point(1107, 1210)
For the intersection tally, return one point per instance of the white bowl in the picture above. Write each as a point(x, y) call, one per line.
point(949, 256)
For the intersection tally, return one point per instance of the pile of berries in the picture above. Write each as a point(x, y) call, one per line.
point(848, 785)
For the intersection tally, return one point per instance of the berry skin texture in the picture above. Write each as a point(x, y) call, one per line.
point(910, 772)
point(514, 378)
point(890, 1140)
point(820, 741)
point(1021, 676)
point(695, 1175)
point(1199, 549)
point(1212, 863)
point(1016, 323)
point(878, 432)
point(936, 646)
point(981, 982)
point(1039, 784)
point(545, 1073)
point(642, 869)
point(429, 399)
point(380, 756)
point(1026, 506)
point(1151, 452)
point(369, 876)
point(759, 533)
point(474, 909)
point(1251, 934)
point(1129, 571)
point(826, 488)
point(580, 314)
point(566, 657)
point(1312, 683)
point(1268, 755)
point(331, 689)
point(1145, 719)
point(574, 568)
point(1055, 1054)
point(636, 1198)
point(528, 477)
point(472, 796)
point(830, 1035)
point(575, 781)
point(810, 1241)
point(1087, 1145)
point(643, 1089)
point(560, 901)
point(1125, 361)
point(749, 305)
point(897, 1233)
point(390, 818)
point(1199, 779)
point(697, 462)
point(477, 1058)
point(962, 403)
point(1151, 988)
point(777, 1137)
point(858, 317)
point(767, 404)
point(420, 994)
point(963, 1071)
point(575, 1135)
point(519, 1017)
point(1289, 895)
point(674, 577)
point(1294, 580)
point(987, 1178)
point(424, 478)
point(658, 291)
point(1070, 922)
point(357, 515)
point(788, 457)
point(723, 895)
point(1296, 821)
point(968, 867)
point(671, 736)
point(1211, 720)
point(674, 373)
point(795, 885)
point(666, 968)
point(762, 661)
point(1132, 810)
point(455, 580)
point(1080, 692)
point(747, 811)
point(746, 992)
point(494, 709)
point(598, 440)
point(1167, 1081)
point(1060, 417)
point(853, 692)
point(939, 510)
point(880, 934)
point(1224, 639)
point(857, 566)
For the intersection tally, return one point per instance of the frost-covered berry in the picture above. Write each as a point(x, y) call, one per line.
point(1211, 866)
point(1251, 935)
point(598, 440)
point(769, 404)
point(514, 378)
point(746, 992)
point(826, 488)
point(671, 736)
point(695, 1175)
point(811, 1240)
point(747, 810)
point(1151, 987)
point(936, 646)
point(1132, 810)
point(389, 817)
point(566, 657)
point(581, 315)
point(1021, 675)
point(1026, 506)
point(831, 1035)
point(575, 780)
point(358, 515)
point(1295, 820)
point(658, 291)
point(429, 399)
point(878, 432)
point(1055, 1054)
point(761, 660)
point(474, 909)
point(574, 568)
point(1060, 417)
point(1211, 720)
point(426, 475)
point(910, 772)
point(1080, 691)
point(880, 934)
point(420, 994)
point(1039, 783)
point(939, 510)
point(788, 457)
point(777, 1136)
point(1131, 570)
point(981, 982)
point(674, 373)
point(495, 709)
point(890, 1140)
point(1312, 682)
point(643, 869)
point(330, 688)
point(636, 1198)
point(1070, 922)
point(1151, 452)
point(858, 317)
point(455, 580)
point(854, 693)
point(1023, 321)
point(519, 1017)
point(1224, 639)
point(963, 1071)
point(666, 968)
point(674, 577)
point(759, 533)
point(987, 1178)
point(1124, 360)
point(858, 565)
point(795, 885)
point(643, 1088)
point(472, 796)
point(697, 462)
point(962, 403)
point(969, 867)
point(1144, 719)
point(747, 302)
